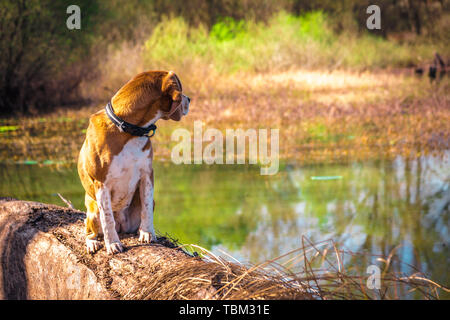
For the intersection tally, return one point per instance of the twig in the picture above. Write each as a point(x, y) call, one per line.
point(69, 204)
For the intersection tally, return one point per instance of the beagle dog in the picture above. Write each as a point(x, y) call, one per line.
point(115, 161)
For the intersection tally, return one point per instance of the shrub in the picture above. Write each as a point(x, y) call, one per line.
point(285, 41)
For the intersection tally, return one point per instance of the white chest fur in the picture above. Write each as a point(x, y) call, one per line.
point(125, 171)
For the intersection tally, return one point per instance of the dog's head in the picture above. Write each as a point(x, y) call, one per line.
point(151, 95)
point(172, 91)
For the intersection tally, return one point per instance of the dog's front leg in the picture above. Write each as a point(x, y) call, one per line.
point(112, 242)
point(146, 229)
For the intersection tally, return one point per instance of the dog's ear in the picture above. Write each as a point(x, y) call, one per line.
point(171, 87)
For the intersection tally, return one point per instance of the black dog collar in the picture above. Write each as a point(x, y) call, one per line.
point(128, 127)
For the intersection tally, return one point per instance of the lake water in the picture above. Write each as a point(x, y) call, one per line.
point(367, 207)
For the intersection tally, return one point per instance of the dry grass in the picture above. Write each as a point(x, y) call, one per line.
point(322, 116)
point(112, 72)
point(322, 276)
point(337, 116)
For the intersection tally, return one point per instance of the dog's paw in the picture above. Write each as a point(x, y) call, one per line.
point(114, 247)
point(92, 245)
point(146, 237)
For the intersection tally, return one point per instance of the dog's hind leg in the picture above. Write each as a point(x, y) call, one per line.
point(91, 223)
point(134, 213)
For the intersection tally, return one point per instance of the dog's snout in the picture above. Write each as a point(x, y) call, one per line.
point(185, 104)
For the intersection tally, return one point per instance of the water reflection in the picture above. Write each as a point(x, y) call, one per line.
point(371, 207)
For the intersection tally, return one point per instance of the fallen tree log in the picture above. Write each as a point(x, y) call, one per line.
point(43, 256)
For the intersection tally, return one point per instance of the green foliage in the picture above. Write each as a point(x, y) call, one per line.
point(227, 29)
point(313, 25)
point(285, 41)
point(8, 128)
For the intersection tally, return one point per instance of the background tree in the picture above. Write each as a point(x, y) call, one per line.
point(40, 65)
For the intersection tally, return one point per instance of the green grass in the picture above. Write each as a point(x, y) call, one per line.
point(286, 41)
point(8, 128)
